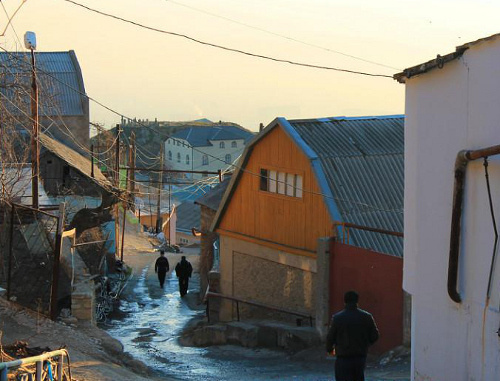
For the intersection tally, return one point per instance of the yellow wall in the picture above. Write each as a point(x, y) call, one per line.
point(270, 218)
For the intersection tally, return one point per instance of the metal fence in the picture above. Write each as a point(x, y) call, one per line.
point(27, 250)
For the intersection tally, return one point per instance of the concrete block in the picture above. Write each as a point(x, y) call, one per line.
point(243, 334)
point(267, 337)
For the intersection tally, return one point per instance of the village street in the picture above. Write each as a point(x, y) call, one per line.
point(151, 320)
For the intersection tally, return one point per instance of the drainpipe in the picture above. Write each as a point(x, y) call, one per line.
point(463, 158)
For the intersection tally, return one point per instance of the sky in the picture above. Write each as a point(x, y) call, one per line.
point(146, 75)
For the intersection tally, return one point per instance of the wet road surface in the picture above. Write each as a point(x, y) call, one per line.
point(151, 321)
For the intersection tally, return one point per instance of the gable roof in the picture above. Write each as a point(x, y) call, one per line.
point(213, 198)
point(439, 61)
point(55, 68)
point(201, 136)
point(75, 160)
point(188, 216)
point(359, 165)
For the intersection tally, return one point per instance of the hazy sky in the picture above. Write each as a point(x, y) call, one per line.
point(148, 75)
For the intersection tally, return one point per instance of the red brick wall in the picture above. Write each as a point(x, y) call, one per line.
point(378, 278)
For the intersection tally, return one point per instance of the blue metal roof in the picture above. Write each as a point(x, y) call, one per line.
point(188, 216)
point(361, 163)
point(59, 76)
point(201, 136)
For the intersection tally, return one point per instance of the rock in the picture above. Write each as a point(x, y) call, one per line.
point(112, 346)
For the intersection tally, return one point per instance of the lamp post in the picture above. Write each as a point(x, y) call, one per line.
point(30, 43)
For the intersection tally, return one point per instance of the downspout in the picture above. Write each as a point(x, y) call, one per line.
point(463, 158)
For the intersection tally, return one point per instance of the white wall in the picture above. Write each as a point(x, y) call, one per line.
point(196, 154)
point(448, 110)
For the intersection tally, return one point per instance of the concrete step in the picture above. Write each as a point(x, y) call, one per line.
point(263, 334)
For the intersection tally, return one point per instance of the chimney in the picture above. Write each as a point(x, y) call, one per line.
point(261, 127)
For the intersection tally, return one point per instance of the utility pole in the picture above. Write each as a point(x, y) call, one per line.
point(30, 43)
point(131, 164)
point(117, 184)
point(92, 160)
point(55, 269)
point(159, 221)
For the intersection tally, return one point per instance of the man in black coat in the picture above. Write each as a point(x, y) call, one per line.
point(183, 270)
point(351, 332)
point(162, 267)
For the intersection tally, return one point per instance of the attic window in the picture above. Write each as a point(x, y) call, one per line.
point(287, 184)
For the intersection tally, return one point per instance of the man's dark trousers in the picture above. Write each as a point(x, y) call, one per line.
point(161, 276)
point(350, 368)
point(183, 285)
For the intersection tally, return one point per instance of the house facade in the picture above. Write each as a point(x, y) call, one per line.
point(205, 148)
point(63, 106)
point(450, 269)
point(296, 180)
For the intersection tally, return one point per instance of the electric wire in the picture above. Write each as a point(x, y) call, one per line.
point(167, 136)
point(261, 56)
point(280, 35)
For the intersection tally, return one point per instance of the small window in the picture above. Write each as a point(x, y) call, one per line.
point(290, 184)
point(234, 145)
point(178, 157)
point(272, 181)
point(222, 145)
point(187, 159)
point(168, 141)
point(263, 179)
point(281, 182)
point(298, 186)
point(170, 155)
point(178, 143)
point(228, 159)
point(204, 160)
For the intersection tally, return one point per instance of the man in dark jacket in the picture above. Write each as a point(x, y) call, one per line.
point(183, 270)
point(162, 267)
point(351, 332)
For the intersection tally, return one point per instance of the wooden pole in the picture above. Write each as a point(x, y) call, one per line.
point(56, 265)
point(92, 160)
point(11, 251)
point(123, 230)
point(117, 184)
point(35, 148)
point(158, 204)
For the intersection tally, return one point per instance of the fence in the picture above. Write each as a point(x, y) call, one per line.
point(48, 366)
point(28, 246)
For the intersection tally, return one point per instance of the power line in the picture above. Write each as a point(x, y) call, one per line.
point(312, 66)
point(195, 149)
point(279, 35)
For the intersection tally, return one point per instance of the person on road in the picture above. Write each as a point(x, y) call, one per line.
point(183, 270)
point(351, 332)
point(162, 267)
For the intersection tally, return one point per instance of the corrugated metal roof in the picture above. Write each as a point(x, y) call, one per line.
point(188, 216)
point(213, 197)
point(362, 161)
point(201, 136)
point(75, 160)
point(59, 76)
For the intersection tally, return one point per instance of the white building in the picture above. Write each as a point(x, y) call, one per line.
point(207, 148)
point(452, 104)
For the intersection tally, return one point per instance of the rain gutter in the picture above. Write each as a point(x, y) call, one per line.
point(461, 162)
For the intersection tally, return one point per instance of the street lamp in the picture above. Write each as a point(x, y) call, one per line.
point(30, 43)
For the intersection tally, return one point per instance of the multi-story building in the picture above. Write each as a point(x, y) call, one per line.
point(207, 148)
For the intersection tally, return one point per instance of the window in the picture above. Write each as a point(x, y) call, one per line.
point(187, 159)
point(178, 157)
point(178, 143)
point(228, 159)
point(170, 155)
point(168, 141)
point(283, 183)
point(204, 160)
point(234, 144)
point(222, 145)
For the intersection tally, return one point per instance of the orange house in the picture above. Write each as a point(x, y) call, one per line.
point(295, 181)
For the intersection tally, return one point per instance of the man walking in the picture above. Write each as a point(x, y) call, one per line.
point(162, 267)
point(183, 270)
point(351, 332)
